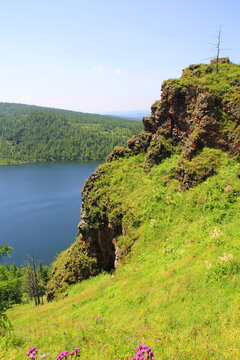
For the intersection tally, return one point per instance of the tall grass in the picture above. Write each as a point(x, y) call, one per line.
point(174, 291)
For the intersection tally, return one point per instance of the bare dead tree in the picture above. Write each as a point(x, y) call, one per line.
point(218, 49)
point(32, 285)
point(36, 284)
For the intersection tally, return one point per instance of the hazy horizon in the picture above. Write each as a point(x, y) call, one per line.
point(114, 112)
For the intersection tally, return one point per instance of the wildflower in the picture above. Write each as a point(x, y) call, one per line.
point(216, 233)
point(140, 353)
point(208, 264)
point(32, 353)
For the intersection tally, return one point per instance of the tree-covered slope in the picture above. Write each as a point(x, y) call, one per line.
point(30, 133)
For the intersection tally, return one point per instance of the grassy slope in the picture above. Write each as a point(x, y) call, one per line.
point(173, 292)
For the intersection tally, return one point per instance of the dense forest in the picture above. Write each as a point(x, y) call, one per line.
point(31, 134)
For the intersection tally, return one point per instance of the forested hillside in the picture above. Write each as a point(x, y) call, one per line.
point(31, 133)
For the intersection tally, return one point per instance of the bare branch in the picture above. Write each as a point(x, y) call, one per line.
point(218, 48)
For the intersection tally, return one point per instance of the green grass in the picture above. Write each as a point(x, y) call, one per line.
point(177, 290)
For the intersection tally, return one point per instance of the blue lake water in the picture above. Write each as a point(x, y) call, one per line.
point(40, 208)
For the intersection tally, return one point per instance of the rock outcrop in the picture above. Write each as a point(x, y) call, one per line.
point(193, 119)
point(194, 112)
point(96, 229)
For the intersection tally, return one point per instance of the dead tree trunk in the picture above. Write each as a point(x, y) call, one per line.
point(218, 49)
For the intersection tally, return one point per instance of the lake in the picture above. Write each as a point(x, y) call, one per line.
point(40, 208)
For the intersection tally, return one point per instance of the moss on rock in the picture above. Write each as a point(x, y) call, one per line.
point(192, 172)
point(158, 150)
point(72, 265)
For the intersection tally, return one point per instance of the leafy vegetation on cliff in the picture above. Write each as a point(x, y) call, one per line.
point(30, 134)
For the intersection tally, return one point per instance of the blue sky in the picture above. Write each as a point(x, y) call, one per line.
point(102, 55)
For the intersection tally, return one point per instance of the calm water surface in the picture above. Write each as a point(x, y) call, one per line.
point(40, 208)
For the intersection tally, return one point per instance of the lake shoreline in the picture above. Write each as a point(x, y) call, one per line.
point(50, 161)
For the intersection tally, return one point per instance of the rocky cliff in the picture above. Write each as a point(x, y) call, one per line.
point(199, 111)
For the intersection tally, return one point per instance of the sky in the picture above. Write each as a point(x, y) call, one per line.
point(103, 56)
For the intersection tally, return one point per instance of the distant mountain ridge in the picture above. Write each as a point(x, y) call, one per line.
point(26, 109)
point(19, 108)
point(131, 114)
